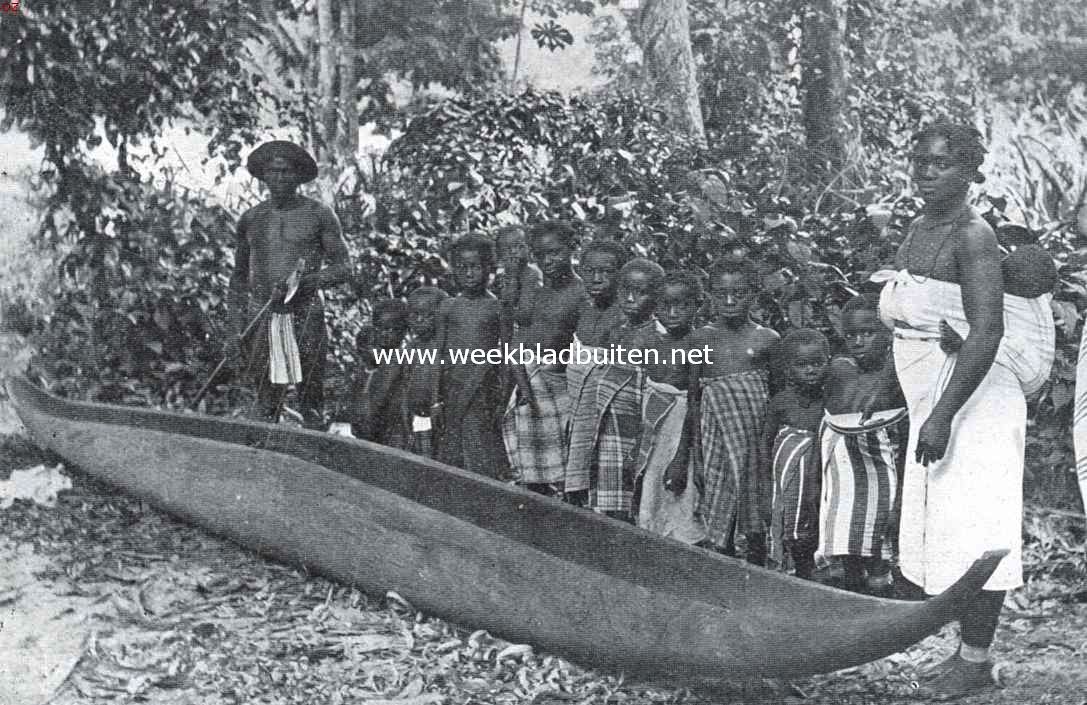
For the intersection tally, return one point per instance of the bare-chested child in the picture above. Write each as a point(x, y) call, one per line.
point(791, 440)
point(289, 343)
point(469, 392)
point(665, 498)
point(518, 281)
point(422, 376)
point(616, 420)
point(726, 407)
point(377, 393)
point(863, 450)
point(599, 315)
point(640, 281)
point(534, 425)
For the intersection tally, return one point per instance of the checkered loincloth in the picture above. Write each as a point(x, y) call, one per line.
point(584, 426)
point(619, 395)
point(733, 411)
point(536, 445)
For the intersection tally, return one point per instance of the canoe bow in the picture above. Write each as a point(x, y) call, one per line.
point(483, 553)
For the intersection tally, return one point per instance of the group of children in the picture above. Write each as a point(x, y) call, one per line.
point(687, 441)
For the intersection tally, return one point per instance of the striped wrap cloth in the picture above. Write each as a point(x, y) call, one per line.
point(1079, 426)
point(794, 512)
point(860, 482)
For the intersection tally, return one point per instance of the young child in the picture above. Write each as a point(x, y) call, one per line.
point(665, 499)
point(790, 436)
point(378, 392)
point(600, 313)
point(598, 316)
point(862, 449)
point(421, 383)
point(469, 394)
point(726, 406)
point(535, 421)
point(615, 425)
point(518, 279)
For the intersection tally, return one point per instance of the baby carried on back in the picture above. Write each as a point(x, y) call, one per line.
point(1028, 346)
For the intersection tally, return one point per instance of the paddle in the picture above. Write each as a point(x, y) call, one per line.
point(291, 285)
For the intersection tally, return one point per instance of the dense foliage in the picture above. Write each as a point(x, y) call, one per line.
point(137, 308)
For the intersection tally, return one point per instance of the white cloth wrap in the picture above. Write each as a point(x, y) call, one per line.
point(1029, 342)
point(284, 363)
point(971, 500)
point(659, 510)
point(1079, 425)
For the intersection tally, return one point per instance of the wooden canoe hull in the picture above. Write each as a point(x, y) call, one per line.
point(481, 553)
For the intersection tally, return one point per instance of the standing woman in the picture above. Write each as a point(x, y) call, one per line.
point(962, 491)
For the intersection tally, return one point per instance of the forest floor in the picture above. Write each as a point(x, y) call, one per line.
point(104, 599)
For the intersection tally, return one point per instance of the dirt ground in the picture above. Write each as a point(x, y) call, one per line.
point(104, 599)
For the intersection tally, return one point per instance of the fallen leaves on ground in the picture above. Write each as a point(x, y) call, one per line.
point(182, 617)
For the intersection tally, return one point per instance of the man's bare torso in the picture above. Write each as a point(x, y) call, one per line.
point(279, 238)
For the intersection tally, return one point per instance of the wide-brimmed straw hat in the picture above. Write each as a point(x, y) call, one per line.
point(305, 164)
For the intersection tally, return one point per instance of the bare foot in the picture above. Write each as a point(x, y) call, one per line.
point(957, 678)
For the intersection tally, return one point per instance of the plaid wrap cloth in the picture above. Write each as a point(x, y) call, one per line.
point(860, 483)
point(794, 514)
point(581, 379)
point(618, 394)
point(536, 445)
point(733, 411)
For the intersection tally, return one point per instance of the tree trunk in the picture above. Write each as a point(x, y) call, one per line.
point(349, 105)
point(517, 51)
point(664, 35)
point(326, 77)
point(858, 24)
point(824, 84)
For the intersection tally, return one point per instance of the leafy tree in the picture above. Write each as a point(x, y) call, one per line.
point(661, 29)
point(73, 72)
point(446, 42)
point(137, 280)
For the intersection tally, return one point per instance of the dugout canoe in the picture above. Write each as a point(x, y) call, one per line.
point(481, 553)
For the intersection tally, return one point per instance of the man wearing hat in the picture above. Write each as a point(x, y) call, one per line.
point(289, 248)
